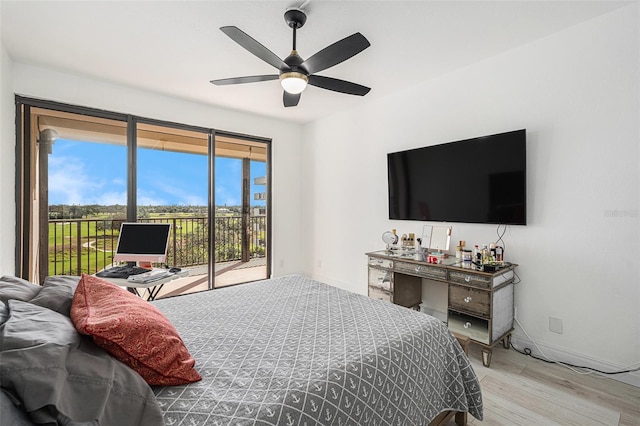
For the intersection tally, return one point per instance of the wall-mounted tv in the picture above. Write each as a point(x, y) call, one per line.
point(479, 180)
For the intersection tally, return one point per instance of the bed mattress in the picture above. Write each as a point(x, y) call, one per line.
point(294, 351)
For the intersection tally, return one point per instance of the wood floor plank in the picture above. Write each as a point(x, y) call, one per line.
point(593, 380)
point(629, 420)
point(503, 360)
point(553, 403)
point(600, 390)
point(500, 410)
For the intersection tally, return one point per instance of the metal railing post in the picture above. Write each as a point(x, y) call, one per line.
point(175, 239)
point(79, 245)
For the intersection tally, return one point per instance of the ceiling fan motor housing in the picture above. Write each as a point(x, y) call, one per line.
point(294, 61)
point(295, 17)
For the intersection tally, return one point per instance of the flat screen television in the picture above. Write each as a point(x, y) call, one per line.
point(479, 180)
point(143, 242)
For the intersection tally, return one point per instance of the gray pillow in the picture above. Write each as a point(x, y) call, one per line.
point(16, 288)
point(62, 377)
point(57, 293)
point(4, 314)
point(10, 414)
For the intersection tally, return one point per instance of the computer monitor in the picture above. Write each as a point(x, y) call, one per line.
point(143, 242)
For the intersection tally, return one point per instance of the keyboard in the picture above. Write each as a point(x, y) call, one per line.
point(152, 275)
point(122, 271)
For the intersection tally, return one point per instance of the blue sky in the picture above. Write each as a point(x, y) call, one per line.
point(84, 173)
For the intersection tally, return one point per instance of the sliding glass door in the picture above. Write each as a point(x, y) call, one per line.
point(81, 173)
point(172, 177)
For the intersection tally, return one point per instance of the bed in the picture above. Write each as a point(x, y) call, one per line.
point(294, 351)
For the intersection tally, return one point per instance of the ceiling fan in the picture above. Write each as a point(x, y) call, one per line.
point(295, 72)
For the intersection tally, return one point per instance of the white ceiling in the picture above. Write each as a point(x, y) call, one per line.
point(176, 47)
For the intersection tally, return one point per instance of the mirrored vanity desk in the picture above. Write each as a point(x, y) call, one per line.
point(478, 304)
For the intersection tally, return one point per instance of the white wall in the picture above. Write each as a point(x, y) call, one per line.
point(7, 167)
point(286, 144)
point(576, 93)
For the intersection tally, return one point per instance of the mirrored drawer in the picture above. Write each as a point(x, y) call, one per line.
point(381, 278)
point(379, 293)
point(470, 300)
point(380, 263)
point(475, 280)
point(475, 328)
point(422, 270)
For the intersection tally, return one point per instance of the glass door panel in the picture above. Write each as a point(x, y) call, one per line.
point(240, 215)
point(172, 187)
point(82, 190)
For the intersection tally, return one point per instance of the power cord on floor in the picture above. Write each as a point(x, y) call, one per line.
point(576, 368)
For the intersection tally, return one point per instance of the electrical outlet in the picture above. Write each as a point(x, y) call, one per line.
point(282, 263)
point(555, 325)
point(319, 263)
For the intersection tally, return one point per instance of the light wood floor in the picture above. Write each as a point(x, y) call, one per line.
point(520, 390)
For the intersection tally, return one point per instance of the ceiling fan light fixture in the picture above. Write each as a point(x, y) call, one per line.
point(293, 82)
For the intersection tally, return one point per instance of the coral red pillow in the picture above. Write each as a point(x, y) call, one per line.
point(133, 331)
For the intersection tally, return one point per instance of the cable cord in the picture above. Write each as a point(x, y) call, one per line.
point(500, 235)
point(504, 248)
point(575, 368)
point(517, 281)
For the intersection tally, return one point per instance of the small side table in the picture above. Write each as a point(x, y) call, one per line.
point(151, 287)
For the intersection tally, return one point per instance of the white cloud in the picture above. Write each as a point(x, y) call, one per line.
point(193, 200)
point(150, 199)
point(224, 198)
point(111, 198)
point(71, 183)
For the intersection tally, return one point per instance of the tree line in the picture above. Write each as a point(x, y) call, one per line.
point(74, 211)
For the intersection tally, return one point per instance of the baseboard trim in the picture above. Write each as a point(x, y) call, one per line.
point(563, 355)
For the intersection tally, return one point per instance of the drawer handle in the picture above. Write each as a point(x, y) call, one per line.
point(467, 279)
point(467, 324)
point(468, 299)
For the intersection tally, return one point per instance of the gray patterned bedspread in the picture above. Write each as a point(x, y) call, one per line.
point(293, 351)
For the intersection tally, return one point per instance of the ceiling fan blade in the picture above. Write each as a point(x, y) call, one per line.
point(246, 41)
point(248, 79)
point(338, 52)
point(336, 85)
point(290, 100)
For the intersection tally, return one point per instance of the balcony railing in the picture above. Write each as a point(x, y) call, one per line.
point(87, 246)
